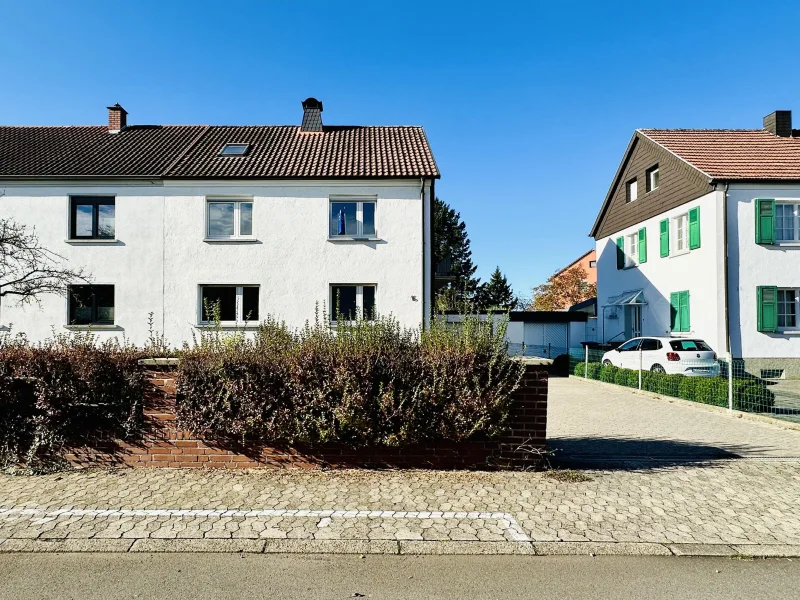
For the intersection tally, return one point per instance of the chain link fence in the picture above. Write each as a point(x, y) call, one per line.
point(724, 382)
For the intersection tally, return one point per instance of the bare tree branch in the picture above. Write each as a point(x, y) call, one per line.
point(28, 269)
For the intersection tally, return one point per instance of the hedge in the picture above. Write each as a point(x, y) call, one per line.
point(69, 390)
point(366, 383)
point(750, 395)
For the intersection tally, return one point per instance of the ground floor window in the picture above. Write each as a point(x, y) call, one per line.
point(787, 308)
point(228, 304)
point(352, 301)
point(91, 304)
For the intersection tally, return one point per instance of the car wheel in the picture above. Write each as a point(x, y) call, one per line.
point(606, 363)
point(657, 369)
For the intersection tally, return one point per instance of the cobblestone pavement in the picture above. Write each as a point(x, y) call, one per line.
point(670, 493)
point(734, 502)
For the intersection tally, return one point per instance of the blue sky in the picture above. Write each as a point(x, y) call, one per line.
point(528, 105)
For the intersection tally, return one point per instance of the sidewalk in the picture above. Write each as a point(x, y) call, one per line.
point(733, 507)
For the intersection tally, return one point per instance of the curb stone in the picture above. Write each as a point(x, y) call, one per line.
point(283, 546)
point(760, 550)
point(66, 545)
point(704, 550)
point(199, 545)
point(602, 548)
point(456, 547)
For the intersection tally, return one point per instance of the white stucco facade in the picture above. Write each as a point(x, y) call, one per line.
point(752, 265)
point(160, 255)
point(699, 271)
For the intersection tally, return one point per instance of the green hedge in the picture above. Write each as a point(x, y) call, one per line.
point(750, 395)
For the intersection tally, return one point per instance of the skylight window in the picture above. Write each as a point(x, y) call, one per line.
point(234, 149)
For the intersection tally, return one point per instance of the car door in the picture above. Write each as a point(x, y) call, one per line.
point(650, 353)
point(628, 354)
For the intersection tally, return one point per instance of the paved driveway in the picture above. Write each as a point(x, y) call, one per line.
point(588, 420)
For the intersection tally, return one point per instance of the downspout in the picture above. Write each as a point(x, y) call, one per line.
point(725, 269)
point(424, 223)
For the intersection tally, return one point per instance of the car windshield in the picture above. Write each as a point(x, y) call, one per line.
point(629, 345)
point(680, 345)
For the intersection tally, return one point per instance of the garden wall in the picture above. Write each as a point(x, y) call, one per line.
point(164, 445)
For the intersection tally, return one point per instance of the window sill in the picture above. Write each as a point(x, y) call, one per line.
point(344, 238)
point(789, 332)
point(681, 253)
point(92, 241)
point(249, 240)
point(229, 325)
point(97, 327)
point(786, 244)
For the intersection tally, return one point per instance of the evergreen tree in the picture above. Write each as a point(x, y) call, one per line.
point(451, 242)
point(497, 293)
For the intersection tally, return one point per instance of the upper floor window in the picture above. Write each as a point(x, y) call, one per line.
point(228, 304)
point(592, 264)
point(352, 219)
point(632, 249)
point(631, 190)
point(787, 308)
point(90, 304)
point(229, 219)
point(92, 217)
point(652, 178)
point(352, 302)
point(786, 222)
point(680, 229)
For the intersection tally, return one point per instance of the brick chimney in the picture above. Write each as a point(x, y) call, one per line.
point(117, 118)
point(312, 115)
point(779, 123)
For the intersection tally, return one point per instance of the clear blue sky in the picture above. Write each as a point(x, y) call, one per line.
point(528, 105)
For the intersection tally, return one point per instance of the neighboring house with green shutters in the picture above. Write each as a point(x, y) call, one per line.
point(699, 235)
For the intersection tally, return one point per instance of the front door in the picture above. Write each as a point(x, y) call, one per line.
point(633, 321)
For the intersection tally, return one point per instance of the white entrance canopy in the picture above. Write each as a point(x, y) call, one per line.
point(635, 298)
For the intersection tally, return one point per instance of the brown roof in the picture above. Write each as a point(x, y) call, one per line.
point(732, 153)
point(192, 151)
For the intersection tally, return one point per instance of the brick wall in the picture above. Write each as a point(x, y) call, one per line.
point(165, 445)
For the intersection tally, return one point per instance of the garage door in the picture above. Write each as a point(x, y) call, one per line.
point(546, 339)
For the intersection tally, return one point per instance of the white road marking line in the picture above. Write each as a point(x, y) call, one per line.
point(507, 521)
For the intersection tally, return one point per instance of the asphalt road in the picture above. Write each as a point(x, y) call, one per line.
point(311, 577)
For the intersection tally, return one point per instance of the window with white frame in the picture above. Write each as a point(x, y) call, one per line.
point(351, 218)
point(228, 304)
point(787, 308)
point(631, 190)
point(786, 222)
point(632, 250)
point(652, 178)
point(352, 302)
point(229, 219)
point(680, 233)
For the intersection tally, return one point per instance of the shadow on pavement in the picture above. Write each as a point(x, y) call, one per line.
point(638, 453)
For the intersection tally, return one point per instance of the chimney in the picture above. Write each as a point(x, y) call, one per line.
point(117, 118)
point(779, 123)
point(312, 115)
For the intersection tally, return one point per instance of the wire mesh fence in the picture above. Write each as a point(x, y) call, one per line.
point(727, 383)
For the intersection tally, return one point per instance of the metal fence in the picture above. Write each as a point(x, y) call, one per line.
point(724, 382)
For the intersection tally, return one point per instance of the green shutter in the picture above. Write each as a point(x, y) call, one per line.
point(765, 221)
point(685, 322)
point(620, 253)
point(674, 312)
point(767, 299)
point(642, 245)
point(694, 228)
point(663, 229)
point(679, 314)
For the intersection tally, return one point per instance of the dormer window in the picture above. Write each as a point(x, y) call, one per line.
point(234, 149)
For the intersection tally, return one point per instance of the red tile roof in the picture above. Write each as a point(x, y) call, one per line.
point(192, 151)
point(732, 153)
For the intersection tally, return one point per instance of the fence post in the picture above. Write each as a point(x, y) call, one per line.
point(730, 381)
point(640, 367)
point(586, 362)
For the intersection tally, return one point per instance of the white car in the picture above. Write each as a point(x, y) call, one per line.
point(665, 355)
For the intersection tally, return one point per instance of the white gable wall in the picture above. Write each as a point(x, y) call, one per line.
point(699, 271)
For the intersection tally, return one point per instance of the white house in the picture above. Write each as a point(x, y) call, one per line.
point(278, 220)
point(699, 235)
